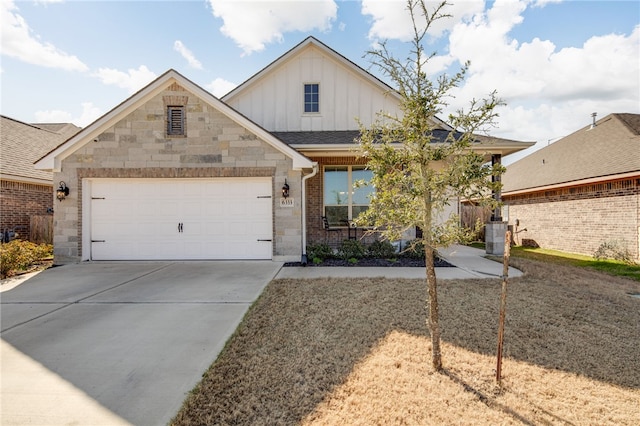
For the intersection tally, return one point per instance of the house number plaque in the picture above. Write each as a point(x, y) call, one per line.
point(286, 202)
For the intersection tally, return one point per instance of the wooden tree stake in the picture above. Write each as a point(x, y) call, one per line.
point(503, 303)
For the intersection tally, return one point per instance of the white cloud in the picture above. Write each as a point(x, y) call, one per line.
point(391, 19)
point(550, 92)
point(132, 80)
point(18, 41)
point(46, 2)
point(543, 3)
point(252, 24)
point(179, 47)
point(89, 114)
point(220, 87)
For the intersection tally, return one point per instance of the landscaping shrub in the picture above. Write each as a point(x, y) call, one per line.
point(351, 249)
point(415, 249)
point(319, 252)
point(19, 255)
point(381, 250)
point(614, 250)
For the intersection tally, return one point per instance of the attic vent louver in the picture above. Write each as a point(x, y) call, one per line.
point(175, 121)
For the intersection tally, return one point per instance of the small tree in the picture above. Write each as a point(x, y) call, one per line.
point(417, 164)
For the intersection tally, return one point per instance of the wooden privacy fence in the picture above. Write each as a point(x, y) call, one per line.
point(41, 229)
point(469, 214)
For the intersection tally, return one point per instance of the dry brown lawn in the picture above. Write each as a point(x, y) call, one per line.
point(357, 352)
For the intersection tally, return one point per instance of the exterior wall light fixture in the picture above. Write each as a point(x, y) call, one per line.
point(62, 192)
point(285, 189)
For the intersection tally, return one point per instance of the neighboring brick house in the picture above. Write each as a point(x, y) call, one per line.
point(175, 173)
point(581, 191)
point(25, 191)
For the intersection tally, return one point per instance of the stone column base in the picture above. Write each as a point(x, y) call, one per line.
point(494, 234)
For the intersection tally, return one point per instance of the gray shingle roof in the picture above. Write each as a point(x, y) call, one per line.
point(64, 129)
point(22, 144)
point(610, 148)
point(345, 137)
point(337, 139)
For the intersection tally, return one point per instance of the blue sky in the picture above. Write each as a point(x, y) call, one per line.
point(554, 62)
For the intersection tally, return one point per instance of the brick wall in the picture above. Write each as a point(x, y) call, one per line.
point(578, 219)
point(315, 205)
point(19, 201)
point(137, 147)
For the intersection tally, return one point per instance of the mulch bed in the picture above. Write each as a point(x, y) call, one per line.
point(401, 262)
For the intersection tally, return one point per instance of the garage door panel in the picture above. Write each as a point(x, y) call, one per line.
point(213, 247)
point(222, 219)
point(214, 228)
point(214, 209)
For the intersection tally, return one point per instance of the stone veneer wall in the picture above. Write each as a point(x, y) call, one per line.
point(579, 219)
point(214, 146)
point(19, 201)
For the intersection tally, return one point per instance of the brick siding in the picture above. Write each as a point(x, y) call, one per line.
point(19, 201)
point(315, 204)
point(579, 219)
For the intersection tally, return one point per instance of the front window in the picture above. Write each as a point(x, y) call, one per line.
point(311, 98)
point(342, 201)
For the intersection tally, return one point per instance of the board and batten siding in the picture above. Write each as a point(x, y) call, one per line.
point(276, 100)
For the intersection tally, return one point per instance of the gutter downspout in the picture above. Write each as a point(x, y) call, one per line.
point(304, 259)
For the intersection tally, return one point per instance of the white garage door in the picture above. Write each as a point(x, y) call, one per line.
point(163, 219)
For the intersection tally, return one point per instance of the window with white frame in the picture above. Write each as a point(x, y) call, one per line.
point(311, 98)
point(342, 200)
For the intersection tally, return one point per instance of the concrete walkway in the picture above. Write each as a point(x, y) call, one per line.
point(469, 262)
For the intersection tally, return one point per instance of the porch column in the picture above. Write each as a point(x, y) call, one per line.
point(496, 216)
point(495, 229)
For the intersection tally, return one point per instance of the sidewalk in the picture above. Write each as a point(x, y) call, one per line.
point(469, 262)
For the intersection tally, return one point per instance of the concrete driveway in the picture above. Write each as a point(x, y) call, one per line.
point(118, 342)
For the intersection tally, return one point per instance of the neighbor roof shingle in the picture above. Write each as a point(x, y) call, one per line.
point(610, 148)
point(22, 144)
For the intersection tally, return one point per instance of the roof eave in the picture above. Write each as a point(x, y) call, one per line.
point(26, 179)
point(587, 181)
point(341, 149)
point(328, 150)
point(502, 148)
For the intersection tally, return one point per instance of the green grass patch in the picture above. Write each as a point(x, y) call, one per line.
point(611, 267)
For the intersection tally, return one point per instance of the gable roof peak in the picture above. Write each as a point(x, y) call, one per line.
point(297, 49)
point(631, 121)
point(52, 160)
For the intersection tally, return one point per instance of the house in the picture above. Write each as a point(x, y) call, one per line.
point(24, 191)
point(581, 191)
point(175, 173)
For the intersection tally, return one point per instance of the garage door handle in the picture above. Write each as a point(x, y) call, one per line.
point(180, 227)
point(263, 240)
point(98, 241)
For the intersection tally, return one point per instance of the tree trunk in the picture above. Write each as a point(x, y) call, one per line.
point(433, 321)
point(432, 286)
